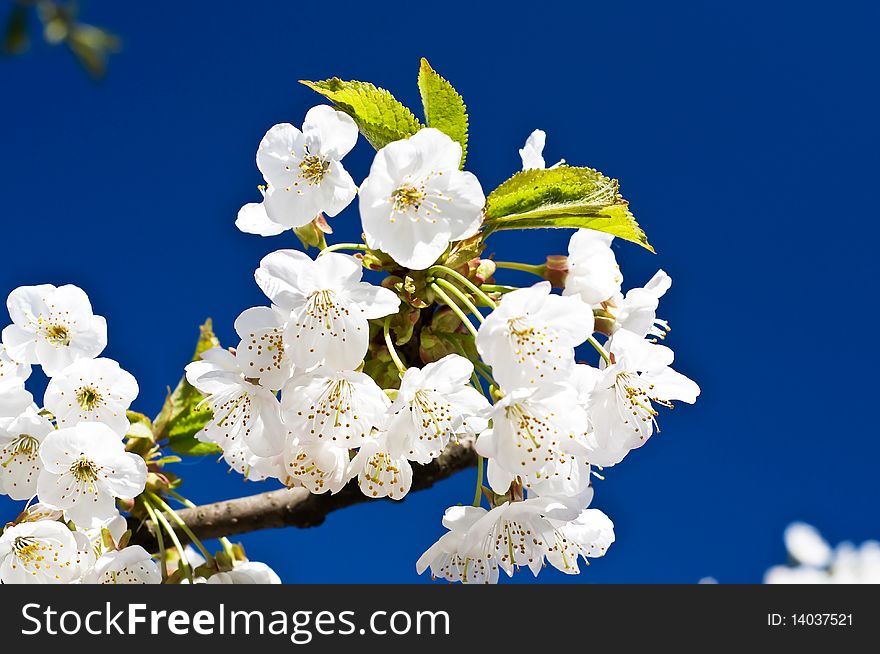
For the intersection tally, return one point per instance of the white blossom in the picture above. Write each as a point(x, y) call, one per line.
point(52, 327)
point(42, 552)
point(246, 572)
point(328, 306)
point(339, 407)
point(806, 545)
point(318, 466)
point(130, 565)
point(637, 311)
point(814, 561)
point(85, 469)
point(532, 152)
point(530, 338)
point(381, 466)
point(448, 561)
point(20, 464)
point(593, 273)
point(246, 417)
point(621, 408)
point(303, 173)
point(261, 354)
point(534, 433)
point(588, 536)
point(14, 398)
point(436, 404)
point(416, 201)
point(92, 390)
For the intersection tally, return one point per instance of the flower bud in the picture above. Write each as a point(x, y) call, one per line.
point(556, 270)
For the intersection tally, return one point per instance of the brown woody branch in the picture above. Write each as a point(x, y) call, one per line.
point(294, 507)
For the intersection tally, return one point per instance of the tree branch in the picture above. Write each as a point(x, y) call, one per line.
point(294, 507)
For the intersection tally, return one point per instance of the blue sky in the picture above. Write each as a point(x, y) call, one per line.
point(744, 136)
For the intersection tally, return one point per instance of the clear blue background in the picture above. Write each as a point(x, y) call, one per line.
point(745, 138)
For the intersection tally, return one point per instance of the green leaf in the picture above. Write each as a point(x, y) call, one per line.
point(565, 196)
point(182, 417)
point(191, 446)
point(379, 116)
point(444, 108)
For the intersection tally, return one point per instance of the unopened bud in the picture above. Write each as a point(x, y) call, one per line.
point(556, 270)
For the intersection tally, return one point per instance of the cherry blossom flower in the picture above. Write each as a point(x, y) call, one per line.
point(246, 572)
point(328, 306)
point(637, 311)
point(446, 557)
point(91, 535)
point(41, 552)
point(621, 408)
point(511, 535)
point(533, 432)
point(246, 416)
point(593, 273)
point(318, 466)
point(130, 565)
point(530, 338)
point(52, 327)
point(814, 561)
point(85, 469)
point(588, 536)
point(416, 201)
point(382, 468)
point(436, 404)
point(532, 153)
point(303, 173)
point(20, 464)
point(338, 407)
point(261, 354)
point(14, 398)
point(92, 390)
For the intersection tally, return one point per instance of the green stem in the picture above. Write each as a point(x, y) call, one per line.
point(449, 302)
point(498, 288)
point(159, 539)
point(598, 347)
point(484, 372)
point(386, 330)
point(184, 562)
point(478, 496)
point(162, 504)
point(464, 281)
point(227, 545)
point(465, 300)
point(534, 269)
point(343, 246)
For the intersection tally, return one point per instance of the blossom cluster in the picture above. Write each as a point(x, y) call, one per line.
point(69, 454)
point(303, 397)
point(70, 458)
point(814, 561)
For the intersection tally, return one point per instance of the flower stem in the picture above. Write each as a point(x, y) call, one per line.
point(343, 246)
point(449, 302)
point(478, 496)
point(162, 504)
point(386, 330)
point(524, 267)
point(598, 347)
point(498, 288)
point(159, 539)
point(484, 372)
point(464, 281)
point(184, 562)
point(465, 300)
